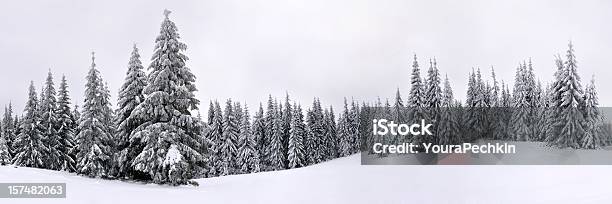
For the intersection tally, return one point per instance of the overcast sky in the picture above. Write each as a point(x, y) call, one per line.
point(327, 48)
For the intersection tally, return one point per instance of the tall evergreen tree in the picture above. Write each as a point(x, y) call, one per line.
point(593, 138)
point(448, 128)
point(416, 97)
point(130, 95)
point(344, 146)
point(316, 129)
point(553, 113)
point(6, 135)
point(259, 133)
point(521, 126)
point(5, 157)
point(354, 127)
point(570, 121)
point(65, 133)
point(229, 138)
point(170, 132)
point(416, 90)
point(328, 141)
point(268, 120)
point(215, 134)
point(94, 140)
point(274, 151)
point(398, 115)
point(287, 114)
point(29, 145)
point(248, 157)
point(296, 155)
point(49, 125)
point(9, 128)
point(433, 91)
point(433, 99)
point(476, 115)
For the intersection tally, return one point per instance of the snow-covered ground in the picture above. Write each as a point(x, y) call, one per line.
point(344, 180)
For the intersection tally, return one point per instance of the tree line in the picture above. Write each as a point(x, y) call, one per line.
point(561, 113)
point(153, 136)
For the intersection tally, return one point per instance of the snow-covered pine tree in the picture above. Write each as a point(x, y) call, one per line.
point(204, 150)
point(49, 124)
point(570, 120)
point(319, 130)
point(416, 90)
point(365, 118)
point(448, 128)
point(593, 138)
point(433, 91)
point(94, 141)
point(9, 128)
point(271, 111)
point(228, 150)
point(534, 90)
point(475, 116)
point(398, 115)
point(171, 134)
point(296, 155)
point(215, 121)
point(331, 134)
point(5, 157)
point(248, 156)
point(495, 98)
point(5, 136)
point(66, 130)
point(496, 111)
point(521, 127)
point(504, 113)
point(544, 120)
point(284, 149)
point(538, 113)
point(531, 86)
point(344, 147)
point(482, 93)
point(275, 155)
point(130, 95)
point(471, 89)
point(326, 141)
point(415, 99)
point(470, 116)
point(354, 127)
point(554, 100)
point(29, 146)
point(384, 112)
point(433, 99)
point(259, 133)
point(286, 123)
point(108, 115)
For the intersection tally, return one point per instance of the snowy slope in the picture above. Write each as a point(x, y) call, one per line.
point(346, 181)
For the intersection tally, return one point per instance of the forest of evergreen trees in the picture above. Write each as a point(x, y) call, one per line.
point(562, 113)
point(154, 136)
